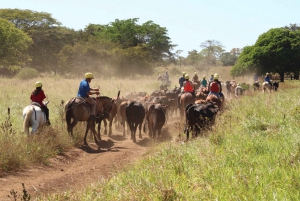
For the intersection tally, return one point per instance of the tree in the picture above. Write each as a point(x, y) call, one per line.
point(228, 59)
point(134, 47)
point(211, 52)
point(47, 35)
point(193, 58)
point(14, 44)
point(277, 50)
point(153, 38)
point(178, 57)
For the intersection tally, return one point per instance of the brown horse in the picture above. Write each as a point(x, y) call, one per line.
point(78, 110)
point(185, 99)
point(213, 98)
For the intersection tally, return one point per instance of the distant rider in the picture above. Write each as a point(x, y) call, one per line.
point(204, 81)
point(195, 77)
point(215, 87)
point(38, 96)
point(211, 78)
point(267, 79)
point(85, 91)
point(182, 79)
point(167, 77)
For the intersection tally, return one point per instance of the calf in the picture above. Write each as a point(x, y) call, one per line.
point(135, 114)
point(156, 118)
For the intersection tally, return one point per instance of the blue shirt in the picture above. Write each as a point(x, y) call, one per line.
point(267, 79)
point(84, 87)
point(181, 81)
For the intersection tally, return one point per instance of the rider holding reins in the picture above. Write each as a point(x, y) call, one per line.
point(85, 91)
point(188, 86)
point(215, 87)
point(267, 79)
point(38, 96)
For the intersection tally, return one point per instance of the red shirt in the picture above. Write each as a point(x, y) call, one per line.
point(214, 87)
point(38, 98)
point(188, 86)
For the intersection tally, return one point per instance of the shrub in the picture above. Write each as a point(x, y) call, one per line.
point(27, 73)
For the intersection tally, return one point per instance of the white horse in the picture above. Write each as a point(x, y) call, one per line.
point(266, 86)
point(33, 117)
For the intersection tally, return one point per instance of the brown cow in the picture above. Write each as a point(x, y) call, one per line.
point(156, 118)
point(122, 115)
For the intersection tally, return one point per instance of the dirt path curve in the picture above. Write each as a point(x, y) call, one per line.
point(77, 168)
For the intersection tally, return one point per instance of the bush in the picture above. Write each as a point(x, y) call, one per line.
point(27, 73)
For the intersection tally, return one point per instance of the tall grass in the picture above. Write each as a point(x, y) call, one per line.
point(252, 153)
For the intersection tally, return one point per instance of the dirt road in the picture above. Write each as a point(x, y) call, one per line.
point(78, 168)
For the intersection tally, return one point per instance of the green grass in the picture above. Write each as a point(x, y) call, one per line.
point(252, 153)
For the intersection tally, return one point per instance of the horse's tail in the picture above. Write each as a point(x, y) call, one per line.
point(26, 121)
point(69, 113)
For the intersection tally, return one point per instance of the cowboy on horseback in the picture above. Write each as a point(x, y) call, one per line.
point(195, 77)
point(181, 80)
point(38, 96)
point(215, 87)
point(267, 79)
point(85, 91)
point(204, 81)
point(188, 86)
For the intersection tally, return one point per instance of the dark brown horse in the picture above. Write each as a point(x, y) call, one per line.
point(185, 99)
point(78, 110)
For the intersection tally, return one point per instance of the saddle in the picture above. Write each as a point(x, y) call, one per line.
point(35, 104)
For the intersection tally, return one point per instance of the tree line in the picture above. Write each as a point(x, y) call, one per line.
point(36, 40)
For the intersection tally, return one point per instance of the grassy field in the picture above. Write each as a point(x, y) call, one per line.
point(252, 153)
point(16, 150)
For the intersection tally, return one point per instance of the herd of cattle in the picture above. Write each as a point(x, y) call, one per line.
point(139, 109)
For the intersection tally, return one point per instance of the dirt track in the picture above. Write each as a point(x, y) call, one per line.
point(78, 167)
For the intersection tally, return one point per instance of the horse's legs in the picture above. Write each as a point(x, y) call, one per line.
point(86, 131)
point(98, 133)
point(105, 127)
point(123, 125)
point(110, 125)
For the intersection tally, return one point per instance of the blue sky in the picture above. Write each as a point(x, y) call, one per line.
point(234, 23)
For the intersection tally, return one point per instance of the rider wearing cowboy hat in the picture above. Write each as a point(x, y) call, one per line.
point(85, 91)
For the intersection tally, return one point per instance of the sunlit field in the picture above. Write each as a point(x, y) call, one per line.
point(252, 153)
point(253, 149)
